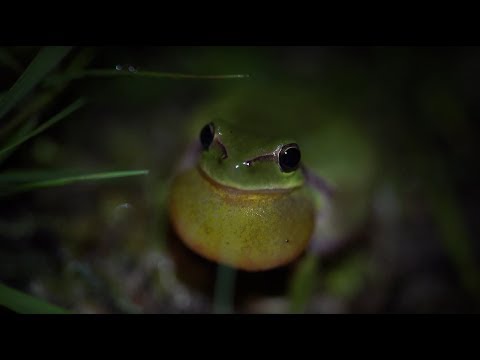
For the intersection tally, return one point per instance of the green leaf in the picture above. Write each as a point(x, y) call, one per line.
point(47, 59)
point(71, 180)
point(61, 115)
point(26, 304)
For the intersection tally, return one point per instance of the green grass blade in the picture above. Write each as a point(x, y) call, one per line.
point(146, 74)
point(47, 59)
point(86, 177)
point(16, 177)
point(46, 97)
point(16, 136)
point(157, 75)
point(27, 111)
point(9, 61)
point(71, 180)
point(61, 115)
point(26, 304)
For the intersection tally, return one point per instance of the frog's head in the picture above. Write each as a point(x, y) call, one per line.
point(235, 158)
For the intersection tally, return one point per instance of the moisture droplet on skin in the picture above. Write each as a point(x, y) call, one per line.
point(119, 212)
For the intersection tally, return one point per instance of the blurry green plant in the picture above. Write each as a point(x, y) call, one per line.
point(23, 303)
point(38, 86)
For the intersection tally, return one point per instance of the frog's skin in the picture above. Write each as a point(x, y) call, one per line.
point(237, 206)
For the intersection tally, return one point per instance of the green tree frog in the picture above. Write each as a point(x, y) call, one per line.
point(247, 202)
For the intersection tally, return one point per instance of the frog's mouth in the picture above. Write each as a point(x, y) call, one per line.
point(233, 189)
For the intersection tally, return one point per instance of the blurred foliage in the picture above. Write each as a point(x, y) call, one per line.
point(393, 128)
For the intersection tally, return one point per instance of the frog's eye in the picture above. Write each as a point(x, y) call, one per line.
point(289, 157)
point(206, 135)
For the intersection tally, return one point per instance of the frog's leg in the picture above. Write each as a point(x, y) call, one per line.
point(324, 242)
point(189, 158)
point(318, 183)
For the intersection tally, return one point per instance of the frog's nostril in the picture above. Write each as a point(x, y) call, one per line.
point(223, 147)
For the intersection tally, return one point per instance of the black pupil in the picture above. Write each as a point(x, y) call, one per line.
point(206, 136)
point(289, 158)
